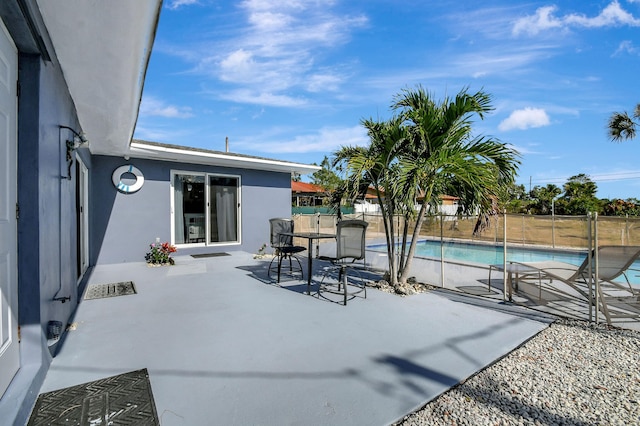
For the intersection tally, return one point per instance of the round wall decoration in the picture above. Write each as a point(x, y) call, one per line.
point(123, 187)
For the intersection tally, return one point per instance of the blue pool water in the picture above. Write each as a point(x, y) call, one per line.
point(489, 255)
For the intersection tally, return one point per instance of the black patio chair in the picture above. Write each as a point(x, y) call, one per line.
point(350, 247)
point(282, 244)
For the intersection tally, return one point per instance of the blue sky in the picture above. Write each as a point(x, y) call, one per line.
point(292, 79)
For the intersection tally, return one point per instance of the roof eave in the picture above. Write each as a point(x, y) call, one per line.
point(103, 49)
point(221, 159)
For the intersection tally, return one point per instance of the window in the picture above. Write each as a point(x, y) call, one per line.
point(206, 208)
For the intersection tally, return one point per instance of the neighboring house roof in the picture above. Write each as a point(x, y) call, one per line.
point(442, 197)
point(310, 188)
point(304, 187)
point(371, 193)
point(185, 154)
point(103, 48)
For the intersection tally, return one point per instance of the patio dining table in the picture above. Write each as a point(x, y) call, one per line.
point(310, 236)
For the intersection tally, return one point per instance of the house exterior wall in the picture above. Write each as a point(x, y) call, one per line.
point(46, 227)
point(123, 225)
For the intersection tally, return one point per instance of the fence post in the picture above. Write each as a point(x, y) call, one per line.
point(504, 257)
point(441, 252)
point(553, 229)
point(597, 274)
point(626, 228)
point(590, 263)
point(318, 231)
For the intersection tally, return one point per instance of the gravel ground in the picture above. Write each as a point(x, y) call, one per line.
point(571, 373)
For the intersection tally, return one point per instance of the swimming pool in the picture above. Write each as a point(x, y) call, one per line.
point(489, 254)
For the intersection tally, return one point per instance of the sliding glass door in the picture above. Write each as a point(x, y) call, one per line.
point(223, 214)
point(189, 207)
point(206, 208)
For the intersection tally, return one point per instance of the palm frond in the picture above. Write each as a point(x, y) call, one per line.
point(428, 149)
point(621, 126)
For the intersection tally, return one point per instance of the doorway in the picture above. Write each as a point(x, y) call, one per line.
point(9, 340)
point(82, 218)
point(205, 208)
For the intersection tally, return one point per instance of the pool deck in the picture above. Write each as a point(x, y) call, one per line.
point(224, 344)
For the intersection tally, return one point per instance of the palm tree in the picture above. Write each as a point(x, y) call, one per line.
point(621, 126)
point(428, 150)
point(376, 166)
point(445, 156)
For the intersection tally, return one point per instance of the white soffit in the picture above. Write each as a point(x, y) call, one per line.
point(103, 47)
point(186, 155)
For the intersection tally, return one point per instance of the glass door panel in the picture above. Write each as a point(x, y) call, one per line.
point(189, 209)
point(223, 212)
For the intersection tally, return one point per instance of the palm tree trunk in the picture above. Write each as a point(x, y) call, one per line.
point(391, 252)
point(389, 231)
point(414, 239)
point(404, 273)
point(403, 247)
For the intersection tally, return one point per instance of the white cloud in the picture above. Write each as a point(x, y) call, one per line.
point(176, 4)
point(612, 15)
point(155, 133)
point(325, 140)
point(492, 22)
point(249, 96)
point(238, 66)
point(626, 46)
point(524, 150)
point(323, 82)
point(525, 119)
point(498, 61)
point(281, 48)
point(152, 106)
point(542, 20)
point(545, 19)
point(258, 114)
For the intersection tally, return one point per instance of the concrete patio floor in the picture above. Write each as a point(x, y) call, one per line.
point(224, 345)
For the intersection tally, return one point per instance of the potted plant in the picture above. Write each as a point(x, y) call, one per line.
point(160, 254)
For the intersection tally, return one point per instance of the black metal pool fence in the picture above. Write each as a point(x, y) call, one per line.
point(576, 232)
point(582, 233)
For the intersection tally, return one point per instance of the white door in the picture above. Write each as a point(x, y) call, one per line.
point(82, 203)
point(9, 350)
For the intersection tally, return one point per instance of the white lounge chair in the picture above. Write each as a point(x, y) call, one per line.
point(614, 262)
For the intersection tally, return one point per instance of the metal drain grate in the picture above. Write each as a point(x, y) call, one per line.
point(199, 256)
point(99, 291)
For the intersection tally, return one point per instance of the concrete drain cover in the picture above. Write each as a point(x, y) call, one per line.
point(125, 399)
point(99, 291)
